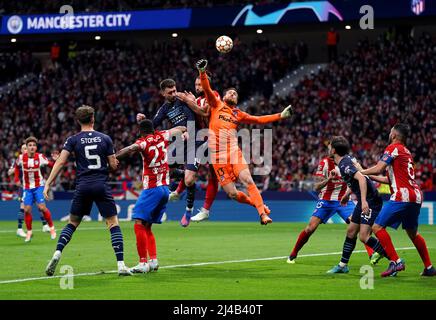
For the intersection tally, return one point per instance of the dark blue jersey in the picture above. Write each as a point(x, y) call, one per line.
point(348, 170)
point(91, 150)
point(177, 113)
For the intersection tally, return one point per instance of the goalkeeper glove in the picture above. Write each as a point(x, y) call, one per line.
point(201, 65)
point(287, 112)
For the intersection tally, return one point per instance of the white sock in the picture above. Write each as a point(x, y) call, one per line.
point(341, 264)
point(189, 209)
point(204, 210)
point(121, 264)
point(398, 260)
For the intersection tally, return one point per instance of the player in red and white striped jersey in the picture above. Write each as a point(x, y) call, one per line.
point(151, 204)
point(202, 113)
point(405, 203)
point(334, 197)
point(33, 185)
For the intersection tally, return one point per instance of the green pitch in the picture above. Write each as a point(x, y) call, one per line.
point(209, 260)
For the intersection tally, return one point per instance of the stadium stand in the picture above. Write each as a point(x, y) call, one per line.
point(122, 81)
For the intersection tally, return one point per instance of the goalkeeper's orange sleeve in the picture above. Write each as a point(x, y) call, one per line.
point(210, 96)
point(248, 118)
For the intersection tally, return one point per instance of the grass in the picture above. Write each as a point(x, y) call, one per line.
point(90, 252)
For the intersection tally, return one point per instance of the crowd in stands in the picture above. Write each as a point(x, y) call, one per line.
point(123, 81)
point(15, 64)
point(361, 95)
point(53, 6)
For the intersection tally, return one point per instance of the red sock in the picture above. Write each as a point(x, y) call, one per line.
point(151, 243)
point(211, 190)
point(301, 241)
point(420, 245)
point(28, 220)
point(369, 250)
point(47, 217)
point(387, 244)
point(181, 187)
point(243, 198)
point(141, 242)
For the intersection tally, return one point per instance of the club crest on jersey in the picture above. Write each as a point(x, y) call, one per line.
point(235, 112)
point(36, 162)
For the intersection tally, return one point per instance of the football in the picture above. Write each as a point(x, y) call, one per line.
point(224, 44)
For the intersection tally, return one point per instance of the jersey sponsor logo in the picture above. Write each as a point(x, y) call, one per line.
point(227, 119)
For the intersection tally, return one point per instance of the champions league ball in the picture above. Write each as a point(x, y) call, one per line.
point(224, 44)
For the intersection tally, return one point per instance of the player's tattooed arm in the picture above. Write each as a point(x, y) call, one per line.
point(189, 99)
point(380, 179)
point(320, 183)
point(379, 168)
point(127, 151)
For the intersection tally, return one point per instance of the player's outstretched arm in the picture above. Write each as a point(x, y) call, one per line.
point(379, 168)
point(210, 96)
point(57, 167)
point(127, 151)
point(250, 119)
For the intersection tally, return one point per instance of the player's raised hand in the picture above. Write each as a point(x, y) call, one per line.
point(190, 95)
point(140, 117)
point(201, 65)
point(287, 112)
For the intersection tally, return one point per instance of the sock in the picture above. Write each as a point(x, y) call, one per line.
point(117, 242)
point(41, 216)
point(151, 243)
point(181, 187)
point(47, 217)
point(349, 245)
point(301, 241)
point(420, 245)
point(369, 250)
point(243, 198)
point(211, 190)
point(387, 244)
point(141, 242)
point(20, 219)
point(190, 197)
point(28, 220)
point(65, 236)
point(376, 246)
point(256, 198)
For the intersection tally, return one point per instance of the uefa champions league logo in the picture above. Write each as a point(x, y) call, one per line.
point(15, 24)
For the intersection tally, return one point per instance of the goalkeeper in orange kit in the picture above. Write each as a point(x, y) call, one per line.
point(226, 156)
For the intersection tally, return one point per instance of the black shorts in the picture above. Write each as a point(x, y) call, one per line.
point(88, 193)
point(375, 207)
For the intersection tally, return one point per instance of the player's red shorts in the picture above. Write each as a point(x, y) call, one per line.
point(229, 171)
